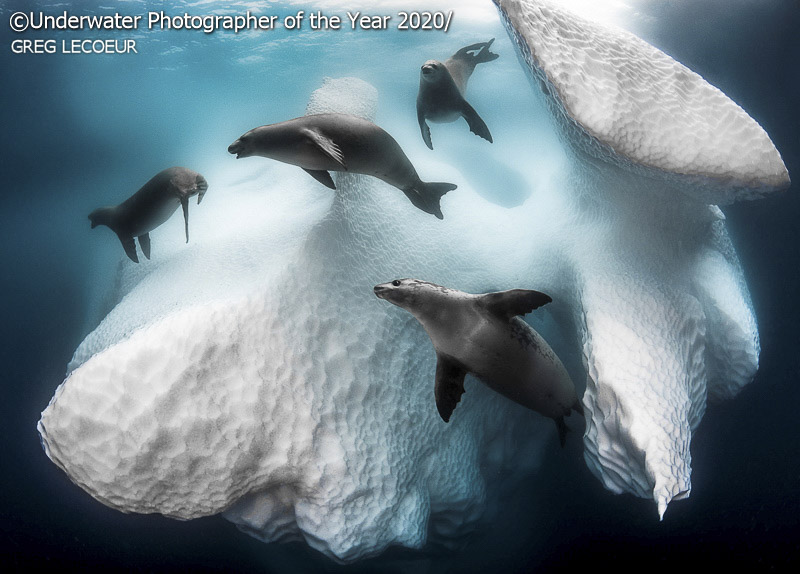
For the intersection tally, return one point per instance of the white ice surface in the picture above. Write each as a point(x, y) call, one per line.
point(254, 373)
point(636, 104)
point(660, 298)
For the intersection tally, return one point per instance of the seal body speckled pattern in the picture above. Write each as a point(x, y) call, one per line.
point(482, 335)
point(320, 143)
point(151, 206)
point(442, 87)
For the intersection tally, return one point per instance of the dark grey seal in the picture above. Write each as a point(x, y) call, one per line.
point(482, 335)
point(321, 143)
point(151, 206)
point(442, 86)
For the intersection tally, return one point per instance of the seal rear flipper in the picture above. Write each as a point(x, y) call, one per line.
point(475, 123)
point(326, 145)
point(427, 196)
point(481, 55)
point(185, 205)
point(423, 127)
point(508, 304)
point(449, 385)
point(144, 243)
point(563, 429)
point(321, 176)
point(130, 247)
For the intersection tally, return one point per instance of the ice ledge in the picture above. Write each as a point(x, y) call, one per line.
point(634, 105)
point(659, 296)
point(297, 405)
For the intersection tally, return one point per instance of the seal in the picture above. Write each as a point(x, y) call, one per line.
point(483, 335)
point(320, 143)
point(442, 86)
point(151, 206)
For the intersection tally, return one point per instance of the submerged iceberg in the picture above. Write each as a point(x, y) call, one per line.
point(291, 399)
point(252, 373)
point(659, 295)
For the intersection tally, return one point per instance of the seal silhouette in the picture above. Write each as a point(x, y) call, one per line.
point(320, 143)
point(482, 335)
point(151, 206)
point(442, 87)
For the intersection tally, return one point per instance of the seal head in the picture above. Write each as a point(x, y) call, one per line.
point(244, 146)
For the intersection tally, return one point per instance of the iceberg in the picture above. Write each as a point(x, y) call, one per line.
point(659, 295)
point(256, 375)
point(253, 374)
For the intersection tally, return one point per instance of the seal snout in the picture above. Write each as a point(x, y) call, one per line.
point(380, 290)
point(236, 148)
point(391, 291)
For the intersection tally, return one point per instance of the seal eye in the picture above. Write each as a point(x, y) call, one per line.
point(396, 283)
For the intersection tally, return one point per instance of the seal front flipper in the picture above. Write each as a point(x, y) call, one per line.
point(144, 243)
point(508, 304)
point(185, 205)
point(326, 145)
point(449, 385)
point(423, 127)
point(474, 121)
point(321, 176)
point(130, 247)
point(202, 187)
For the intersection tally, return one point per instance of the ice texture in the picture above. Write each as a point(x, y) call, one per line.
point(289, 398)
point(252, 372)
point(660, 297)
point(634, 104)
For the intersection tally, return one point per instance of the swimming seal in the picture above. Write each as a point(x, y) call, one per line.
point(482, 335)
point(151, 206)
point(320, 143)
point(442, 86)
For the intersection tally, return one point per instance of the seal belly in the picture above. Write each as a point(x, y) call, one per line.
point(374, 152)
point(519, 364)
point(442, 115)
point(441, 102)
point(156, 215)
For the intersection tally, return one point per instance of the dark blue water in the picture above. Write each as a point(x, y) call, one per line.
point(62, 139)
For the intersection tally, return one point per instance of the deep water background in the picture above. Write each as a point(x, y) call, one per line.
point(79, 131)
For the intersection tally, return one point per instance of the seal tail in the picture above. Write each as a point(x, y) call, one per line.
point(102, 216)
point(427, 196)
point(478, 53)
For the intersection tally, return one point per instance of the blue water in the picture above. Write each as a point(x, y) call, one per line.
point(81, 131)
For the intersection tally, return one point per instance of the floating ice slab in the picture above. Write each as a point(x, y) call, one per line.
point(635, 105)
point(660, 299)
